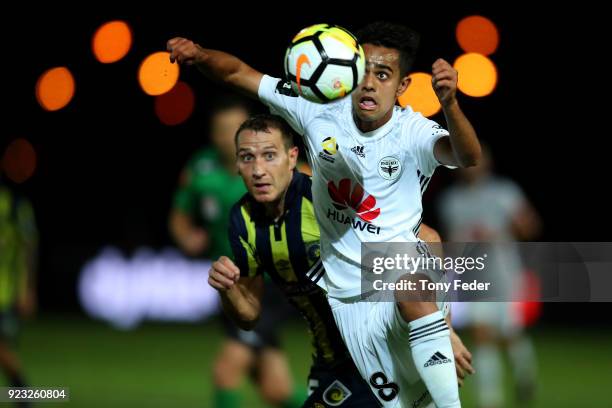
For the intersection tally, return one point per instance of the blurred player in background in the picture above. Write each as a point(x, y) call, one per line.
point(487, 208)
point(18, 256)
point(209, 186)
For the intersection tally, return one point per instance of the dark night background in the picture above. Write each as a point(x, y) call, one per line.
point(107, 167)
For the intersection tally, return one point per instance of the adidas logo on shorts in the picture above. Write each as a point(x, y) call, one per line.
point(437, 358)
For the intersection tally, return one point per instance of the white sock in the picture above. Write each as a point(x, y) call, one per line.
point(488, 365)
point(433, 357)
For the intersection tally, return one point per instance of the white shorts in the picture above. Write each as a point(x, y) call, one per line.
point(377, 337)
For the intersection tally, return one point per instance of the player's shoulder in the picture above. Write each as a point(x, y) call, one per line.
point(302, 183)
point(282, 86)
point(407, 117)
point(204, 161)
point(237, 213)
point(500, 182)
point(239, 206)
point(503, 185)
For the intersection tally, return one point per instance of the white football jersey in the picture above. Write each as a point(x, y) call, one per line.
point(367, 187)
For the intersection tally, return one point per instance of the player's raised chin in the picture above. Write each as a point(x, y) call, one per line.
point(374, 99)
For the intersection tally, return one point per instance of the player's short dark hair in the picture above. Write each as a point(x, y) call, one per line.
point(392, 35)
point(263, 123)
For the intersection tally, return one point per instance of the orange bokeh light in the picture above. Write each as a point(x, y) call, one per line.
point(477, 34)
point(55, 88)
point(19, 160)
point(477, 74)
point(157, 75)
point(112, 41)
point(420, 95)
point(176, 106)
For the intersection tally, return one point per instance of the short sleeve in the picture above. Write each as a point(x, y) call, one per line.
point(278, 95)
point(421, 135)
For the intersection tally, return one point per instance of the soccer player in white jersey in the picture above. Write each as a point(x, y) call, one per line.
point(403, 349)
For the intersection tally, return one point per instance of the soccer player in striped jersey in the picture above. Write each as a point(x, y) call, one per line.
point(273, 230)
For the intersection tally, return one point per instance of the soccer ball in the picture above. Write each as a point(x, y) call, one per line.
point(324, 62)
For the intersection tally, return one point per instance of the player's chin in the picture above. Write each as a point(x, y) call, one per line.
point(264, 197)
point(368, 115)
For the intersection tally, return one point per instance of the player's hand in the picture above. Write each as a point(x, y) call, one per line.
point(223, 274)
point(183, 51)
point(444, 82)
point(463, 358)
point(195, 242)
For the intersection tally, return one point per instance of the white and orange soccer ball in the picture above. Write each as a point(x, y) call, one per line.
point(324, 63)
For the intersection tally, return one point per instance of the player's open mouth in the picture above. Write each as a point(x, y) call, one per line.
point(367, 103)
point(262, 187)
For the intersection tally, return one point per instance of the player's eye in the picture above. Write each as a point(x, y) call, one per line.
point(246, 157)
point(382, 76)
point(269, 155)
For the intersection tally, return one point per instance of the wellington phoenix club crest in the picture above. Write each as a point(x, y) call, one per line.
point(389, 167)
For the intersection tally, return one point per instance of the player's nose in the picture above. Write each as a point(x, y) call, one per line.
point(258, 169)
point(367, 84)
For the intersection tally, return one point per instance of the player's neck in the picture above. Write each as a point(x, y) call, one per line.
point(274, 210)
point(373, 125)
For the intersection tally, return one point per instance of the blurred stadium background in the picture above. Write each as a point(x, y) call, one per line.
point(100, 165)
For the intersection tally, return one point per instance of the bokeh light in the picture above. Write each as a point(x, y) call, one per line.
point(477, 34)
point(477, 74)
point(176, 106)
point(55, 88)
point(157, 75)
point(19, 160)
point(112, 41)
point(420, 95)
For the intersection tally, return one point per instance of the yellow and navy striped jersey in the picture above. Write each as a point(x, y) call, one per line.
point(288, 251)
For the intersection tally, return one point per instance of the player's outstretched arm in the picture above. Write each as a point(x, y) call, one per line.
point(216, 65)
point(240, 296)
point(462, 147)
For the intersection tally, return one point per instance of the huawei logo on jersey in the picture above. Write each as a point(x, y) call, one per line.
point(343, 198)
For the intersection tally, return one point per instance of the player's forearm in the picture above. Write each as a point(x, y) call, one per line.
point(463, 139)
point(189, 237)
point(221, 66)
point(241, 306)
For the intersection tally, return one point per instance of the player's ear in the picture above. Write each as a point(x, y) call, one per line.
point(293, 155)
point(403, 85)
